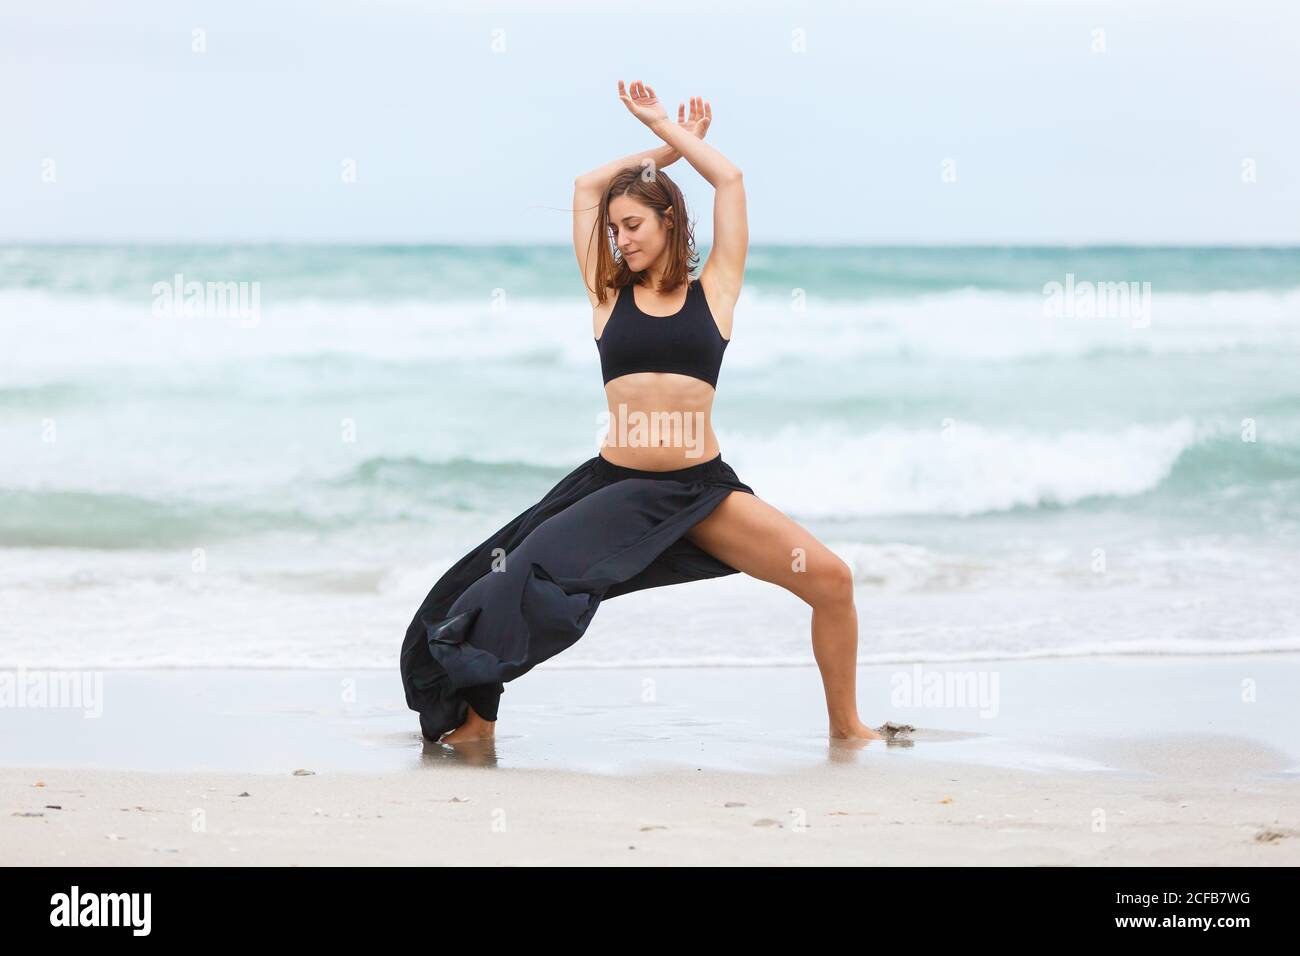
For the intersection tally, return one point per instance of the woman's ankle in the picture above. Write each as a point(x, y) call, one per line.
point(844, 724)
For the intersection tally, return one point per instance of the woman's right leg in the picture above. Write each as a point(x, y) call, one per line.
point(474, 728)
point(752, 536)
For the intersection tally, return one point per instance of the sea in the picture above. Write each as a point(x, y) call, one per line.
point(263, 456)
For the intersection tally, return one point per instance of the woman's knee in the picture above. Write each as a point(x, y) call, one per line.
point(832, 584)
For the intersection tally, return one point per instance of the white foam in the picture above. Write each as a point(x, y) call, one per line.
point(58, 331)
point(821, 471)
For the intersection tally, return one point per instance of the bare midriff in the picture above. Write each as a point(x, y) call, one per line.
point(659, 421)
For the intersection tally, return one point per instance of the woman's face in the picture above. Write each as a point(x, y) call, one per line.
point(636, 230)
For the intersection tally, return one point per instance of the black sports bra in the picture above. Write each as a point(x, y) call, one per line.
point(687, 342)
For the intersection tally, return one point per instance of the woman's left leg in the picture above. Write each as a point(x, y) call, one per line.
point(752, 536)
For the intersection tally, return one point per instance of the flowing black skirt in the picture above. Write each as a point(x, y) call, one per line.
point(530, 590)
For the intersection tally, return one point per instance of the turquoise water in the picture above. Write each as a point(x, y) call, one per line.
point(388, 273)
point(280, 487)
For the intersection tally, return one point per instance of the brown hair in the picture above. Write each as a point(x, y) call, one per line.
point(651, 187)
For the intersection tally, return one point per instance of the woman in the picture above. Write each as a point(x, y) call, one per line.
point(657, 505)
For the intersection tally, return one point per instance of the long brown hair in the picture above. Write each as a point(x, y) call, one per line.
point(651, 187)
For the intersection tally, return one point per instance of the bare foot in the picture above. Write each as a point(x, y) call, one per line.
point(856, 730)
point(474, 728)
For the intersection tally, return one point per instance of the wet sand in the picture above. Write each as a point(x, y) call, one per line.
point(1076, 761)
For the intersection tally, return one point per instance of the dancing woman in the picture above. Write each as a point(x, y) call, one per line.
point(657, 505)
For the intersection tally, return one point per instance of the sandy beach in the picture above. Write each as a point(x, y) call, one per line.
point(1105, 761)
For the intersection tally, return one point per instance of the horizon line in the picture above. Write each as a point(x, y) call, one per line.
point(883, 244)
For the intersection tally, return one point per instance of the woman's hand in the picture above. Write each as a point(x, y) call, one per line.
point(697, 124)
point(642, 103)
point(700, 118)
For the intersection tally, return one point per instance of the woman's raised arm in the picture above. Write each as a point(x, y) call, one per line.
point(590, 187)
point(587, 192)
point(726, 263)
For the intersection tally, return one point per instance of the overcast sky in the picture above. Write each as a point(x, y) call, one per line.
point(468, 121)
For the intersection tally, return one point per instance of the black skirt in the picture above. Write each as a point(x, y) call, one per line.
point(530, 590)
